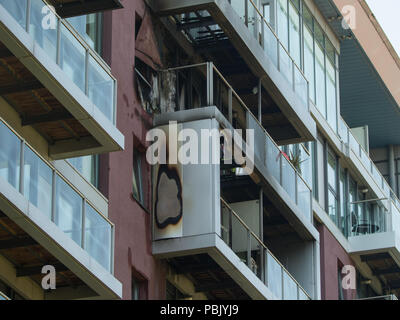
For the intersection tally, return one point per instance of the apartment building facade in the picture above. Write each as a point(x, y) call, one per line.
point(85, 84)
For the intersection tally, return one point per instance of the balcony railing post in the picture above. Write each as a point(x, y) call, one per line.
point(230, 102)
point(293, 76)
point(21, 167)
point(248, 248)
point(87, 55)
point(210, 84)
point(53, 197)
point(58, 49)
point(230, 229)
point(296, 188)
point(278, 54)
point(83, 223)
point(281, 168)
point(266, 268)
point(28, 15)
point(112, 249)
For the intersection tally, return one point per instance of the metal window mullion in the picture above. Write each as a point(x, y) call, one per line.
point(112, 253)
point(230, 105)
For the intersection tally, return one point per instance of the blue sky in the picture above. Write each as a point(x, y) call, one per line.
point(387, 13)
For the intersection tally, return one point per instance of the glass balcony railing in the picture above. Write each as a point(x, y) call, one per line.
point(3, 296)
point(252, 251)
point(64, 46)
point(212, 89)
point(348, 138)
point(273, 47)
point(44, 187)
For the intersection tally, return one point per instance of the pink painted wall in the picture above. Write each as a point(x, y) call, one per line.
point(132, 223)
point(333, 257)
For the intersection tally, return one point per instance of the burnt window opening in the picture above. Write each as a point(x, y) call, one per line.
point(139, 289)
point(139, 181)
point(138, 24)
point(146, 82)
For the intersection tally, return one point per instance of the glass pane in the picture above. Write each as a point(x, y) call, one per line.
point(283, 33)
point(17, 9)
point(10, 152)
point(68, 215)
point(332, 207)
point(97, 237)
point(305, 164)
point(270, 44)
point(88, 26)
point(239, 239)
point(303, 295)
point(288, 178)
point(332, 171)
point(240, 7)
point(101, 89)
point(273, 160)
point(343, 130)
point(309, 61)
point(252, 18)
point(304, 198)
point(45, 37)
point(274, 276)
point(300, 85)
point(38, 182)
point(221, 95)
point(320, 79)
point(87, 167)
point(331, 94)
point(343, 202)
point(294, 32)
point(286, 65)
point(72, 58)
point(256, 251)
point(225, 228)
point(289, 287)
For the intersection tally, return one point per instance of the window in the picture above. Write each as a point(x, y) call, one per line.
point(138, 180)
point(87, 167)
point(294, 34)
point(332, 186)
point(340, 286)
point(139, 289)
point(343, 202)
point(90, 28)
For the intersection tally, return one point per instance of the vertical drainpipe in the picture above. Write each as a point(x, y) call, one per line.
point(392, 180)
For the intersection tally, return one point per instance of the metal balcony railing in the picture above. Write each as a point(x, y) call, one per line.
point(46, 189)
point(212, 89)
point(252, 251)
point(65, 47)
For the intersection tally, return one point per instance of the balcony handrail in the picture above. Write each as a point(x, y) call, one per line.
point(257, 121)
point(82, 41)
point(262, 244)
point(57, 173)
point(383, 180)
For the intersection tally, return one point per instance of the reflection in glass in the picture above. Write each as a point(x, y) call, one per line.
point(68, 214)
point(97, 237)
point(38, 182)
point(9, 156)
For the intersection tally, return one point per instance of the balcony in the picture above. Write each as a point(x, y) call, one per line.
point(253, 253)
point(71, 8)
point(201, 87)
point(55, 82)
point(244, 46)
point(273, 201)
point(52, 221)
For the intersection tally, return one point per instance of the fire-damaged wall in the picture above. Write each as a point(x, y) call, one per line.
point(133, 257)
point(192, 189)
